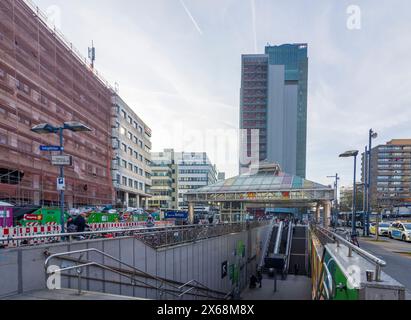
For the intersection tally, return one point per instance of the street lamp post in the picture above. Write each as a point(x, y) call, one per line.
point(364, 197)
point(335, 215)
point(46, 128)
point(354, 154)
point(371, 135)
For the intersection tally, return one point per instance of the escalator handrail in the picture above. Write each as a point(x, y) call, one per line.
point(288, 250)
point(279, 237)
point(267, 244)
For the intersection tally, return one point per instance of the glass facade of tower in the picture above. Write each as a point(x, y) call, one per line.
point(295, 59)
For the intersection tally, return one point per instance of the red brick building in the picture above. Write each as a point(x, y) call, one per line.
point(43, 80)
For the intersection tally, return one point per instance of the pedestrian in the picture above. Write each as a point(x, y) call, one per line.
point(260, 278)
point(80, 222)
point(296, 269)
point(253, 282)
point(71, 226)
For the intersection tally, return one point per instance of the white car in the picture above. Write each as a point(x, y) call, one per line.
point(383, 228)
point(400, 231)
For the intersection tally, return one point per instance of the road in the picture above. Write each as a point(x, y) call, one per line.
point(397, 254)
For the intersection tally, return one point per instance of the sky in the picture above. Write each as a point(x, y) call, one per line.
point(177, 63)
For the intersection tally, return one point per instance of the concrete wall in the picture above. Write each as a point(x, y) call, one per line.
point(22, 270)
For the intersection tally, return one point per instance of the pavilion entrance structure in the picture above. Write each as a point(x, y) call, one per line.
point(266, 187)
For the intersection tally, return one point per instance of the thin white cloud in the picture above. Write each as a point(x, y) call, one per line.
point(191, 18)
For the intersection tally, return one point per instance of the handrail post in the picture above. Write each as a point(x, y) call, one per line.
point(349, 252)
point(79, 281)
point(377, 272)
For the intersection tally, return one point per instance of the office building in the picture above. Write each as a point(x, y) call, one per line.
point(274, 102)
point(175, 174)
point(390, 174)
point(164, 182)
point(131, 169)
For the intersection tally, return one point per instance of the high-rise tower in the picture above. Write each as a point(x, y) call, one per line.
point(274, 101)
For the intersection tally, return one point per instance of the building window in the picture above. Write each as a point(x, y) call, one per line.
point(118, 179)
point(130, 151)
point(130, 136)
point(136, 185)
point(124, 181)
point(135, 169)
point(136, 155)
point(130, 183)
point(140, 129)
point(124, 146)
point(141, 157)
point(124, 163)
point(140, 172)
point(130, 166)
point(130, 120)
point(141, 186)
point(124, 114)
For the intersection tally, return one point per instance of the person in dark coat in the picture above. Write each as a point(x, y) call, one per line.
point(80, 222)
point(71, 226)
point(253, 282)
point(260, 278)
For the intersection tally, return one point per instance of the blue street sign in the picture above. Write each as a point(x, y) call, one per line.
point(51, 148)
point(176, 214)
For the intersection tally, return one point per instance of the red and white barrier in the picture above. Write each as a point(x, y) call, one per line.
point(125, 225)
point(54, 228)
point(27, 232)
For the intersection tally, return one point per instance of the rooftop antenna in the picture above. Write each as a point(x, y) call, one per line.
point(92, 54)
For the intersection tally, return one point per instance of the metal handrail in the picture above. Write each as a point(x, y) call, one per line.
point(279, 237)
point(134, 269)
point(379, 263)
point(267, 244)
point(142, 230)
point(288, 249)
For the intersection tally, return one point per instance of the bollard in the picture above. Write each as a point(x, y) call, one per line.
point(370, 275)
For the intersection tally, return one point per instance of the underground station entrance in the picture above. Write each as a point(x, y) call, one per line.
point(297, 261)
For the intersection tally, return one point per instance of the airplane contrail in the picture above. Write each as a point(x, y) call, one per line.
point(191, 17)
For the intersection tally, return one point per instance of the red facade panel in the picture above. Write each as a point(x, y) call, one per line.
point(41, 80)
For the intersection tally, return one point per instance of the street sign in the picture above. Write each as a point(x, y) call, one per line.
point(33, 217)
point(51, 148)
point(61, 160)
point(176, 215)
point(61, 184)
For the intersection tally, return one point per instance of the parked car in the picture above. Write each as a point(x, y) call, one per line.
point(383, 228)
point(400, 231)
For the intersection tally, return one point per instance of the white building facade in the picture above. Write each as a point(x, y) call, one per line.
point(131, 171)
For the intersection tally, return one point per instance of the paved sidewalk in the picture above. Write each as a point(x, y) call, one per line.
point(294, 288)
point(67, 294)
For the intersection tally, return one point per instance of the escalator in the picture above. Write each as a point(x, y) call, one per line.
point(298, 263)
point(278, 251)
